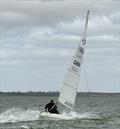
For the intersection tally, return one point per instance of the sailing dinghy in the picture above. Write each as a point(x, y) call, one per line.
point(70, 84)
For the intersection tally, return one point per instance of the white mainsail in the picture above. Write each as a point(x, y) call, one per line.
point(70, 84)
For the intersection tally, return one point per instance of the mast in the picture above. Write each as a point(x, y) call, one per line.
point(70, 84)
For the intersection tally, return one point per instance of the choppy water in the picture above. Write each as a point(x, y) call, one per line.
point(19, 112)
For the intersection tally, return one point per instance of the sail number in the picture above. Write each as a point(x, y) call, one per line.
point(77, 63)
point(81, 50)
point(84, 41)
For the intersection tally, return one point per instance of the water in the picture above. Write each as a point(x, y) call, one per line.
point(20, 112)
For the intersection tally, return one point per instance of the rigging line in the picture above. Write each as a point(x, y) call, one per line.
point(86, 79)
point(89, 95)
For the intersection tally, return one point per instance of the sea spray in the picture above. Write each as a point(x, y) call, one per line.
point(17, 114)
point(76, 115)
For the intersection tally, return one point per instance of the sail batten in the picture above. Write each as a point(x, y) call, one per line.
point(70, 84)
point(66, 103)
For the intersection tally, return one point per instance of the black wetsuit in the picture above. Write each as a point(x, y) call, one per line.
point(51, 107)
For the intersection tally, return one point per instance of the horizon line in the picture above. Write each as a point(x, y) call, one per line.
point(55, 91)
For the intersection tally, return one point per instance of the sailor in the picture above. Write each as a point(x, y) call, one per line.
point(51, 107)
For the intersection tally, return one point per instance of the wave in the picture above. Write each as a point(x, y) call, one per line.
point(16, 114)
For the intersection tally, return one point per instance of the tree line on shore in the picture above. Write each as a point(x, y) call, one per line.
point(54, 93)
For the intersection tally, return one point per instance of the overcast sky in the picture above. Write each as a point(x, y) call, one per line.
point(38, 39)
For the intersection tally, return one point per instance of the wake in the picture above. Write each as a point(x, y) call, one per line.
point(16, 114)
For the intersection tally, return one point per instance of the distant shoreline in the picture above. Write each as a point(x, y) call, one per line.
point(51, 93)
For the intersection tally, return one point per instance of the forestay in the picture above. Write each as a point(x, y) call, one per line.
point(70, 84)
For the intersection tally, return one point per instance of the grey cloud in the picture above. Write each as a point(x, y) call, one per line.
point(19, 13)
point(38, 40)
